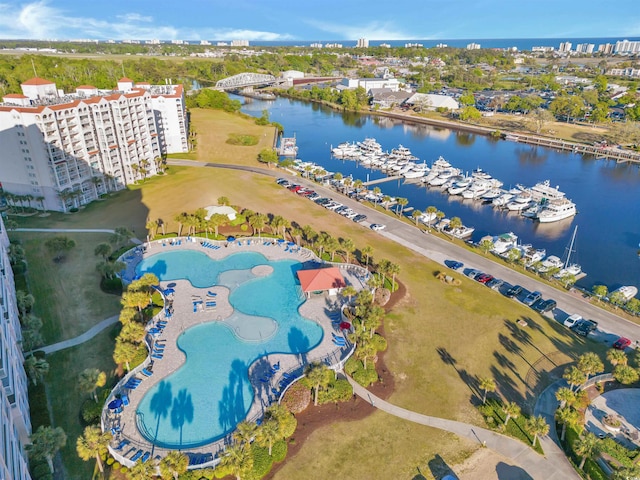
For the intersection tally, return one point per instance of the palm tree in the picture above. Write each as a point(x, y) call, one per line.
point(217, 220)
point(574, 376)
point(402, 202)
point(151, 226)
point(296, 233)
point(600, 291)
point(487, 384)
point(132, 332)
point(125, 352)
point(455, 223)
point(331, 245)
point(173, 465)
point(268, 433)
point(486, 245)
point(416, 214)
point(317, 376)
point(366, 349)
point(348, 291)
point(625, 374)
point(238, 460)
point(347, 247)
point(224, 201)
point(93, 443)
point(258, 222)
point(386, 200)
point(142, 471)
point(585, 446)
point(277, 223)
point(617, 357)
point(104, 250)
point(245, 433)
point(45, 443)
point(377, 192)
point(567, 416)
point(90, 379)
point(536, 426)
point(357, 184)
point(393, 269)
point(367, 251)
point(59, 245)
point(25, 302)
point(432, 212)
point(36, 368)
point(565, 396)
point(180, 219)
point(589, 363)
point(511, 410)
point(439, 215)
point(627, 473)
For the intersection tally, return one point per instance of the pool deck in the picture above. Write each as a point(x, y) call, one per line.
point(319, 308)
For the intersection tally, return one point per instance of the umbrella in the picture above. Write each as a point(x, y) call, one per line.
point(291, 244)
point(280, 240)
point(172, 284)
point(115, 404)
point(345, 326)
point(231, 239)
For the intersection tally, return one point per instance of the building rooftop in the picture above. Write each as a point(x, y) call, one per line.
point(38, 81)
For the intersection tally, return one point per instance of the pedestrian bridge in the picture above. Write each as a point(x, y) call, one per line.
point(243, 80)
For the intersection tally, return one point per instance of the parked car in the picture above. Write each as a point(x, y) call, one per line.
point(494, 283)
point(359, 218)
point(377, 227)
point(532, 298)
point(473, 273)
point(621, 343)
point(454, 264)
point(585, 327)
point(280, 181)
point(484, 278)
point(537, 305)
point(514, 291)
point(571, 320)
point(548, 305)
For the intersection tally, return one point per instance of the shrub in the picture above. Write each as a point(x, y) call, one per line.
point(366, 377)
point(41, 470)
point(111, 285)
point(297, 398)
point(279, 451)
point(73, 210)
point(352, 365)
point(262, 461)
point(91, 411)
point(110, 461)
point(379, 342)
point(338, 391)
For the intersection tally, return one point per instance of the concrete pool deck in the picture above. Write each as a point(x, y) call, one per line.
point(321, 309)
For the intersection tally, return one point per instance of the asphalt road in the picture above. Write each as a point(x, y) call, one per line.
point(610, 326)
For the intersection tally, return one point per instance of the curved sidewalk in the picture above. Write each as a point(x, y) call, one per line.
point(552, 466)
point(84, 337)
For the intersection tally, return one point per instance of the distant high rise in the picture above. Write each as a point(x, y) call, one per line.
point(626, 46)
point(473, 46)
point(585, 48)
point(565, 47)
point(239, 43)
point(362, 43)
point(606, 48)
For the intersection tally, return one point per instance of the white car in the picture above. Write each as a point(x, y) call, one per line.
point(572, 320)
point(377, 226)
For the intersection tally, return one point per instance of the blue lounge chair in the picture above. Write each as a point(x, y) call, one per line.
point(276, 366)
point(125, 399)
point(211, 294)
point(137, 455)
point(130, 451)
point(146, 456)
point(156, 356)
point(147, 372)
point(122, 444)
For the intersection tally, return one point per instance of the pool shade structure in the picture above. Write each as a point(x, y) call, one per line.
point(321, 280)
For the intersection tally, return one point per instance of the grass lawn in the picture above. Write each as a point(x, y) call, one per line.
point(442, 338)
point(66, 399)
point(68, 296)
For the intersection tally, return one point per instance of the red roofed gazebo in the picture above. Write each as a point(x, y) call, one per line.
point(321, 279)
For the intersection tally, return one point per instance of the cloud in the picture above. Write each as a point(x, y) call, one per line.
point(372, 30)
point(39, 20)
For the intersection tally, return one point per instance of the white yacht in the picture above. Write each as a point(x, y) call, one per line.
point(627, 291)
point(556, 210)
point(543, 190)
point(505, 242)
point(502, 200)
point(550, 263)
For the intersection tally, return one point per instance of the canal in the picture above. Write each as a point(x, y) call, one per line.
point(607, 194)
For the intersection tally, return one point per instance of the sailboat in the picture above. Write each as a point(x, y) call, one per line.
point(570, 268)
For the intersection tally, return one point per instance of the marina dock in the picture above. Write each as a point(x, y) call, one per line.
point(383, 180)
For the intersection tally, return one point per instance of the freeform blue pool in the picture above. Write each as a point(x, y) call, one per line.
point(210, 394)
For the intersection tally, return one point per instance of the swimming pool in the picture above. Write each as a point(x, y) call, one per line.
point(210, 394)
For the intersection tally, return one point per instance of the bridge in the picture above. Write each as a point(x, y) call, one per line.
point(244, 80)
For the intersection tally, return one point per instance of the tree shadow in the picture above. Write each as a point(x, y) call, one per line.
point(469, 380)
point(182, 411)
point(298, 343)
point(439, 468)
point(161, 403)
point(511, 472)
point(260, 376)
point(507, 386)
point(231, 406)
point(159, 269)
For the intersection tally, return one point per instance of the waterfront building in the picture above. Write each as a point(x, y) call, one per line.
point(542, 49)
point(362, 43)
point(368, 84)
point(585, 48)
point(430, 101)
point(606, 48)
point(239, 43)
point(626, 46)
point(316, 45)
point(386, 98)
point(565, 47)
point(624, 72)
point(15, 423)
point(473, 46)
point(63, 150)
point(413, 45)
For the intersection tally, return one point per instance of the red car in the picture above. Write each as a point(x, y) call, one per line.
point(621, 343)
point(484, 278)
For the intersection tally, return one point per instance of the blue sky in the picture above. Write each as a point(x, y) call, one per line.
point(304, 20)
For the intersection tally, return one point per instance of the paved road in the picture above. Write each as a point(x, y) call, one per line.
point(553, 465)
point(610, 326)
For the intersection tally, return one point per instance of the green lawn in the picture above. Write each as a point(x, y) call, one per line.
point(442, 338)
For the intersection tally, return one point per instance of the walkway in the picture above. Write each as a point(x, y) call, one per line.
point(74, 230)
point(84, 337)
point(553, 465)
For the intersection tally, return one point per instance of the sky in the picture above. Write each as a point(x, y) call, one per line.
point(304, 20)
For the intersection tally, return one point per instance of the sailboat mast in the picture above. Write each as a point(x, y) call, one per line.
point(573, 238)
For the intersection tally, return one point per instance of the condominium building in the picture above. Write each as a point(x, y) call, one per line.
point(626, 46)
point(15, 424)
point(65, 150)
point(585, 48)
point(565, 47)
point(362, 43)
point(473, 46)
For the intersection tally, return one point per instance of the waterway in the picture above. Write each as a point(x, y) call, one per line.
point(607, 194)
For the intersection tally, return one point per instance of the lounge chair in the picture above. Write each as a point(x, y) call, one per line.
point(130, 451)
point(125, 399)
point(147, 372)
point(276, 366)
point(137, 455)
point(211, 294)
point(146, 456)
point(156, 356)
point(122, 444)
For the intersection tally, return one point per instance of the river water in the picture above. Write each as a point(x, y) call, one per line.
point(607, 195)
